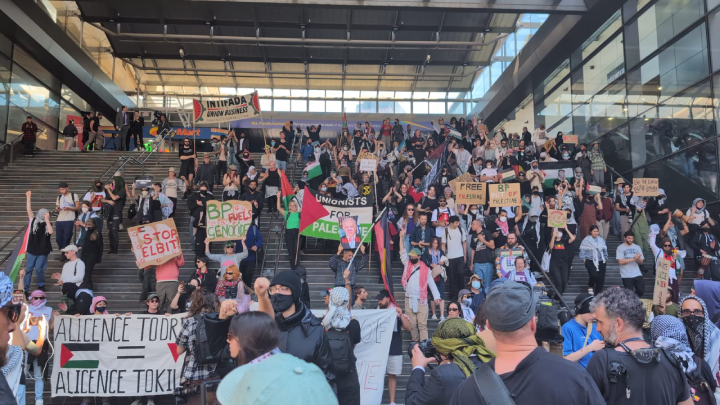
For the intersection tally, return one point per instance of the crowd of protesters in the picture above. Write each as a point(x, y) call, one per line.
point(494, 261)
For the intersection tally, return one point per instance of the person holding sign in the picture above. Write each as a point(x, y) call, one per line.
point(671, 254)
point(561, 250)
point(229, 258)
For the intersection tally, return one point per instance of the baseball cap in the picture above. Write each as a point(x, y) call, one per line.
point(172, 169)
point(509, 306)
point(464, 291)
point(415, 251)
point(382, 295)
point(63, 185)
point(69, 248)
point(233, 167)
point(325, 292)
point(151, 296)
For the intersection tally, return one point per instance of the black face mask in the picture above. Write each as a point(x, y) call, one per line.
point(569, 215)
point(696, 332)
point(100, 309)
point(414, 260)
point(706, 230)
point(536, 192)
point(203, 192)
point(602, 194)
point(281, 302)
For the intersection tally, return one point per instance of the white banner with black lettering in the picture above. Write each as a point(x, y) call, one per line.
point(376, 329)
point(116, 356)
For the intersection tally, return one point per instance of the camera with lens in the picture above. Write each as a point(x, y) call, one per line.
point(184, 392)
point(426, 347)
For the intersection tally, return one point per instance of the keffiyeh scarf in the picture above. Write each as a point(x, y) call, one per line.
point(669, 333)
point(338, 316)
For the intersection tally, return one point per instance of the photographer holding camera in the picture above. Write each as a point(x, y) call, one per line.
point(457, 350)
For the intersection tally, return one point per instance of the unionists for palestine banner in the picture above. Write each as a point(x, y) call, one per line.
point(226, 109)
point(116, 356)
point(326, 227)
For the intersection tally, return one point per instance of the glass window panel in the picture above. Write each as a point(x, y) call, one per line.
point(37, 70)
point(678, 66)
point(281, 92)
point(317, 105)
point(299, 105)
point(600, 70)
point(265, 92)
point(712, 4)
point(368, 94)
point(245, 90)
point(228, 90)
point(714, 21)
point(421, 95)
point(420, 107)
point(317, 93)
point(554, 107)
point(437, 95)
point(558, 75)
point(5, 76)
point(281, 105)
point(265, 104)
point(436, 107)
point(615, 145)
point(658, 25)
point(402, 107)
point(386, 94)
point(352, 106)
point(496, 70)
point(298, 93)
point(403, 94)
point(596, 39)
point(602, 113)
point(351, 94)
point(333, 106)
point(368, 106)
point(333, 94)
point(386, 107)
point(455, 107)
point(455, 94)
point(30, 97)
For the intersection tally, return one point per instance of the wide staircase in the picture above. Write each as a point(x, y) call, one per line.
point(117, 276)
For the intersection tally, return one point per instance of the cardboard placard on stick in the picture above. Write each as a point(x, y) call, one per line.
point(505, 195)
point(367, 155)
point(470, 193)
point(155, 243)
point(556, 219)
point(228, 220)
point(482, 128)
point(463, 178)
point(647, 187)
point(570, 139)
point(368, 165)
point(662, 281)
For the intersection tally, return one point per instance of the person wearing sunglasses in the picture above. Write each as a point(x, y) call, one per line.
point(454, 310)
point(650, 376)
point(704, 336)
point(669, 252)
point(188, 163)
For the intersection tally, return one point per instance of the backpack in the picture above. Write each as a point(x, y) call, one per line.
point(341, 350)
point(547, 322)
point(210, 337)
point(73, 199)
point(700, 390)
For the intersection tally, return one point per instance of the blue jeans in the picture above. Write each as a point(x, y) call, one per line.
point(282, 165)
point(63, 233)
point(485, 272)
point(38, 376)
point(38, 263)
point(231, 157)
point(616, 223)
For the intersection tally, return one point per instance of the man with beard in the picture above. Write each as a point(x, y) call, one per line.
point(621, 370)
point(301, 333)
point(9, 314)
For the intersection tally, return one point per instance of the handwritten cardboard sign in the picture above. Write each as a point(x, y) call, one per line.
point(470, 193)
point(368, 165)
point(154, 244)
point(645, 187)
point(505, 195)
point(556, 219)
point(662, 281)
point(463, 178)
point(482, 128)
point(228, 220)
point(570, 139)
point(367, 155)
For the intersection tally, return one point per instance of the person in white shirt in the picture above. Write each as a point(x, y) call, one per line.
point(462, 157)
point(96, 196)
point(416, 279)
point(67, 206)
point(454, 244)
point(171, 187)
point(73, 271)
point(489, 174)
point(441, 216)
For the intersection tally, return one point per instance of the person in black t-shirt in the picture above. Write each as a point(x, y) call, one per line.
point(531, 374)
point(395, 358)
point(187, 165)
point(620, 317)
point(482, 245)
point(39, 245)
point(282, 151)
point(153, 301)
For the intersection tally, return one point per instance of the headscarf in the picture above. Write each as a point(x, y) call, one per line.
point(95, 301)
point(637, 201)
point(709, 292)
point(38, 305)
point(456, 337)
point(526, 204)
point(249, 173)
point(669, 333)
point(39, 219)
point(338, 316)
point(704, 337)
point(661, 201)
point(595, 247)
point(699, 210)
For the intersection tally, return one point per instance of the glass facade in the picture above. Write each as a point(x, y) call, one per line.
point(28, 89)
point(646, 84)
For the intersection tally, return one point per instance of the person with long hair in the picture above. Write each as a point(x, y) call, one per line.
point(253, 337)
point(433, 256)
point(408, 221)
point(231, 182)
point(230, 286)
point(594, 253)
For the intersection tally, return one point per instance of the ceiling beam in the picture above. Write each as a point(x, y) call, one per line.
point(266, 63)
point(337, 61)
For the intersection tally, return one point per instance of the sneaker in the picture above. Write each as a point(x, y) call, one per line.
point(434, 317)
point(442, 318)
point(150, 402)
point(122, 228)
point(39, 402)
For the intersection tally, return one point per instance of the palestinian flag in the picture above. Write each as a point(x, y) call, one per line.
point(507, 175)
point(286, 190)
point(381, 231)
point(313, 170)
point(18, 254)
point(436, 159)
point(551, 169)
point(452, 132)
point(79, 355)
point(344, 124)
point(313, 210)
point(475, 122)
point(399, 148)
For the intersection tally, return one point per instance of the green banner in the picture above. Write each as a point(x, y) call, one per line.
point(330, 226)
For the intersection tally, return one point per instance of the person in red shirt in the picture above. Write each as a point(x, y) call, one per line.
point(385, 132)
point(29, 131)
point(167, 281)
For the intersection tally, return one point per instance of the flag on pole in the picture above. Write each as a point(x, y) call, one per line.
point(18, 254)
point(400, 147)
point(475, 121)
point(454, 133)
point(313, 170)
point(312, 210)
point(381, 231)
point(344, 124)
point(437, 158)
point(286, 189)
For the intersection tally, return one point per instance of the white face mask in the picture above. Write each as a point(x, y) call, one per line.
point(559, 234)
point(503, 219)
point(145, 193)
point(85, 209)
point(474, 212)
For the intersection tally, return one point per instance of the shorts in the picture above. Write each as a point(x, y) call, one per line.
point(394, 365)
point(187, 167)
